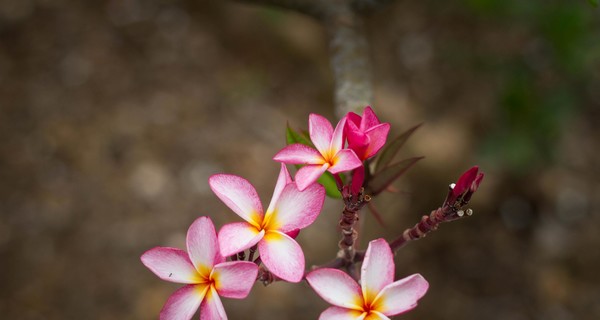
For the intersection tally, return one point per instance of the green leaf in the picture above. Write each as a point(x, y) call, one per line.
point(381, 180)
point(328, 181)
point(292, 137)
point(594, 2)
point(389, 152)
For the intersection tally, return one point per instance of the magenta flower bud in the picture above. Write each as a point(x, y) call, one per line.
point(365, 135)
point(464, 188)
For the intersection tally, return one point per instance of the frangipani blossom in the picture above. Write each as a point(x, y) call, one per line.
point(366, 135)
point(377, 296)
point(329, 155)
point(289, 211)
point(204, 271)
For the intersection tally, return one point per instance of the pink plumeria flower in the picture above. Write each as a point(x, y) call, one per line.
point(366, 135)
point(289, 211)
point(204, 271)
point(330, 154)
point(377, 296)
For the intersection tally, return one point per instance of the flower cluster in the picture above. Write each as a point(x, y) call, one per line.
point(215, 264)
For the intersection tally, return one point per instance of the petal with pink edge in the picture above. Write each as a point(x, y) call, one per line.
point(377, 270)
point(283, 180)
point(239, 195)
point(320, 131)
point(184, 302)
point(212, 307)
point(337, 313)
point(374, 315)
point(170, 264)
point(202, 245)
point(377, 138)
point(234, 279)
point(238, 236)
point(344, 160)
point(299, 154)
point(336, 287)
point(282, 255)
point(337, 140)
point(401, 296)
point(297, 209)
point(307, 175)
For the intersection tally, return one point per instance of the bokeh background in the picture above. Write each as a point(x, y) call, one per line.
point(115, 113)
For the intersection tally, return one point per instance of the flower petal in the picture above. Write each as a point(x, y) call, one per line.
point(374, 315)
point(184, 302)
point(283, 180)
point(202, 245)
point(299, 154)
point(297, 209)
point(337, 140)
point(282, 255)
point(320, 131)
point(354, 119)
point(377, 270)
point(239, 195)
point(307, 175)
point(212, 307)
point(238, 236)
point(344, 160)
point(337, 313)
point(336, 287)
point(170, 264)
point(235, 279)
point(369, 119)
point(377, 138)
point(401, 296)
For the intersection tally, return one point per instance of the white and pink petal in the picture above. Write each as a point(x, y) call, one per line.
point(337, 139)
point(171, 264)
point(238, 236)
point(337, 313)
point(297, 209)
point(282, 255)
point(234, 279)
point(299, 154)
point(212, 307)
point(320, 131)
point(344, 160)
point(309, 174)
point(377, 270)
point(184, 302)
point(202, 245)
point(336, 287)
point(401, 296)
point(283, 180)
point(239, 195)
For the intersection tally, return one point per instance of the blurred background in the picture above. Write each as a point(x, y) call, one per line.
point(115, 113)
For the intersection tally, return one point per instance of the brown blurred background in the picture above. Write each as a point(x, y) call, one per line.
point(115, 113)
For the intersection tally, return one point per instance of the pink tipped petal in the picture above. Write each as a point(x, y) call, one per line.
point(299, 154)
point(283, 180)
point(202, 245)
point(336, 287)
point(239, 195)
point(183, 303)
point(170, 264)
point(344, 160)
point(369, 119)
point(377, 138)
point(238, 236)
point(307, 175)
point(296, 209)
point(235, 279)
point(212, 307)
point(377, 270)
point(282, 255)
point(337, 313)
point(320, 131)
point(402, 295)
point(337, 141)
